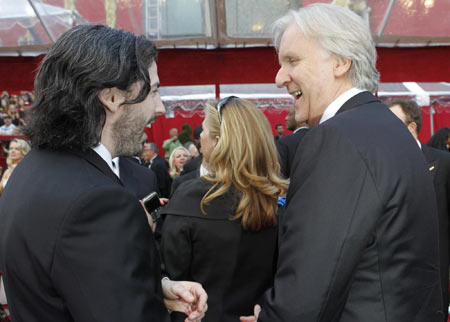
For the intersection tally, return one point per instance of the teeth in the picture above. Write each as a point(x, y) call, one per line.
point(296, 94)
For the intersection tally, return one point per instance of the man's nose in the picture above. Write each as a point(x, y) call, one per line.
point(282, 77)
point(159, 109)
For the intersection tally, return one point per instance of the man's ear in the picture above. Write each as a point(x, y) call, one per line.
point(342, 66)
point(412, 127)
point(111, 98)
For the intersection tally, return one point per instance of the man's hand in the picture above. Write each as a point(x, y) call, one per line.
point(152, 224)
point(186, 297)
point(253, 318)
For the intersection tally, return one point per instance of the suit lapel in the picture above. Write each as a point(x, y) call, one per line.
point(94, 159)
point(127, 176)
point(357, 100)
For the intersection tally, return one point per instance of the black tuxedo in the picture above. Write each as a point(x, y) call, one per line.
point(439, 166)
point(359, 237)
point(137, 179)
point(287, 146)
point(75, 245)
point(161, 169)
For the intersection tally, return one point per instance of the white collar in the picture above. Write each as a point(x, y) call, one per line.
point(334, 107)
point(420, 144)
point(203, 171)
point(103, 152)
point(299, 128)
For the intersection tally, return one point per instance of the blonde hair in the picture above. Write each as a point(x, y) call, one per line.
point(244, 158)
point(22, 146)
point(173, 171)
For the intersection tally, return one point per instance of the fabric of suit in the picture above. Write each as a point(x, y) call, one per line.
point(75, 245)
point(234, 266)
point(137, 179)
point(287, 146)
point(161, 169)
point(359, 237)
point(439, 165)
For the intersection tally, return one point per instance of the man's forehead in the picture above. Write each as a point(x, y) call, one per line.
point(153, 73)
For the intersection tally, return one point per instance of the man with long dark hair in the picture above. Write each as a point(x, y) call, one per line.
point(74, 244)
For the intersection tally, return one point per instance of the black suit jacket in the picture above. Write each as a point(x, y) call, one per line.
point(287, 146)
point(359, 237)
point(183, 178)
point(137, 179)
point(161, 169)
point(234, 266)
point(75, 245)
point(439, 165)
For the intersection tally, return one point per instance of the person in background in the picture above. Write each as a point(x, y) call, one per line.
point(280, 131)
point(161, 168)
point(18, 148)
point(146, 155)
point(288, 145)
point(171, 143)
point(75, 245)
point(7, 128)
point(180, 155)
point(439, 166)
point(359, 239)
point(193, 152)
point(195, 163)
point(440, 139)
point(220, 229)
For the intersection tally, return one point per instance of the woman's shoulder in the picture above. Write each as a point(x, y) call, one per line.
point(187, 198)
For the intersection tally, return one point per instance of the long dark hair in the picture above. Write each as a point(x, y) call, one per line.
point(67, 113)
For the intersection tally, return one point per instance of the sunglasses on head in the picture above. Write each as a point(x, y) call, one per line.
point(221, 104)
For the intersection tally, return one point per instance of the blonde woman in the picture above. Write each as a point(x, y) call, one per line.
point(220, 229)
point(177, 159)
point(18, 148)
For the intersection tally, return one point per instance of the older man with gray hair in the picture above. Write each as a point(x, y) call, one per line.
point(359, 238)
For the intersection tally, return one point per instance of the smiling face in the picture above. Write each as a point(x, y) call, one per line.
point(129, 128)
point(308, 73)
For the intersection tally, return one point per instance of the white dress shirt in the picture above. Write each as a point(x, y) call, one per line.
point(103, 152)
point(334, 107)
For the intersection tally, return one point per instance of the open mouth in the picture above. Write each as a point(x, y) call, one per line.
point(296, 94)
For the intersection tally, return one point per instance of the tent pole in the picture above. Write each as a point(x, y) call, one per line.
point(385, 18)
point(42, 21)
point(432, 111)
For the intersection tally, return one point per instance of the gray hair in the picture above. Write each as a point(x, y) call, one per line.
point(340, 32)
point(153, 147)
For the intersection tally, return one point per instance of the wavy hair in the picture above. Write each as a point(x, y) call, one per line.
point(67, 113)
point(340, 32)
point(244, 159)
point(173, 171)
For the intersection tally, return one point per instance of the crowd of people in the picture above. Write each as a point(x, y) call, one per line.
point(12, 112)
point(346, 219)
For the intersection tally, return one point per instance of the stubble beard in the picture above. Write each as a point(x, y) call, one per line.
point(127, 132)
